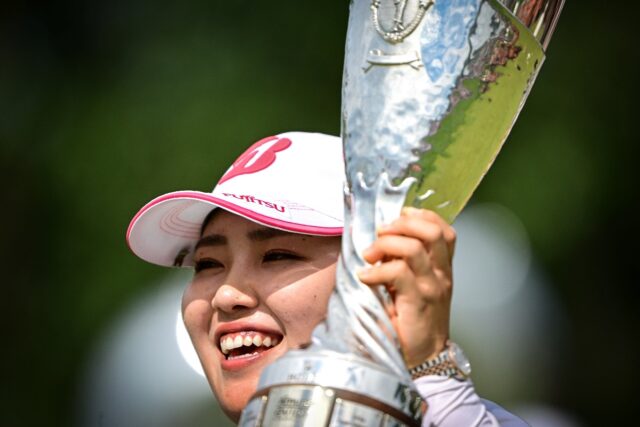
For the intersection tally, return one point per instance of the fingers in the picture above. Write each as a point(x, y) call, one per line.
point(412, 258)
point(399, 247)
point(401, 279)
point(420, 237)
point(396, 274)
point(428, 226)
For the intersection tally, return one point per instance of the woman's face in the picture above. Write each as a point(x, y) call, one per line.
point(256, 293)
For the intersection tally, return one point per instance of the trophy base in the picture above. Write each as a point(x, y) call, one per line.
point(323, 388)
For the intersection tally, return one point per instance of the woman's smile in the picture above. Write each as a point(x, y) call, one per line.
point(243, 344)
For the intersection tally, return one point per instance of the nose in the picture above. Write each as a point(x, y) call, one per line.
point(231, 298)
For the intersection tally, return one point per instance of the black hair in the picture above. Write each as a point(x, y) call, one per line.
point(208, 219)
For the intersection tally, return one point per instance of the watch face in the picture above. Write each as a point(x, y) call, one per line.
point(459, 359)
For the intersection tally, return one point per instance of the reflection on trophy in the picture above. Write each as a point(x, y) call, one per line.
point(431, 89)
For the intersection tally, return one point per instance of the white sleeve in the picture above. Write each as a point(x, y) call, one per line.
point(455, 403)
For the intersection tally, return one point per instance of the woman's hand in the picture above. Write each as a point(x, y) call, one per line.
point(414, 255)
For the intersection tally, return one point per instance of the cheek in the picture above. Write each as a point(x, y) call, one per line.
point(196, 314)
point(196, 305)
point(300, 306)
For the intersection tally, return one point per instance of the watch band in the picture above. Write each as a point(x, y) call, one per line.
point(442, 365)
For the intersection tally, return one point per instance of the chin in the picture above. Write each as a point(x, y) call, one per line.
point(233, 390)
point(234, 395)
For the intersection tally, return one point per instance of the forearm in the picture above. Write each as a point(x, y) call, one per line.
point(455, 403)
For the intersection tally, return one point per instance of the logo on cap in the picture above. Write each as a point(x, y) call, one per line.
point(258, 157)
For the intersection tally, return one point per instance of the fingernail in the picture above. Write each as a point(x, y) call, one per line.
point(363, 272)
point(409, 210)
point(383, 228)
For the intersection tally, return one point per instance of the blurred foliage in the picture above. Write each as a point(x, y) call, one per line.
point(106, 105)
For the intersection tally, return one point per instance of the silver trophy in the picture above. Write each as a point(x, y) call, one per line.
point(431, 89)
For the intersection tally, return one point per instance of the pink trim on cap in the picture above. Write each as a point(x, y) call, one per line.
point(263, 219)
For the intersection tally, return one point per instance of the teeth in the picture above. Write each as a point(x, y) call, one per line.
point(241, 356)
point(237, 343)
point(246, 339)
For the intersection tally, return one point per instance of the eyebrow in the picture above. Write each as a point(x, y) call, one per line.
point(258, 235)
point(211, 240)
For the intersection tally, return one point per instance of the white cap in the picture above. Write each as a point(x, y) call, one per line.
point(292, 181)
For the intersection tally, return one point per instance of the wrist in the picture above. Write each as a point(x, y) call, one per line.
point(429, 350)
point(450, 362)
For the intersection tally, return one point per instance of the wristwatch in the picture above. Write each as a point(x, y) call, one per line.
point(451, 362)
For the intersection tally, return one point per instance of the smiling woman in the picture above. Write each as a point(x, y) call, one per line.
point(256, 292)
point(264, 246)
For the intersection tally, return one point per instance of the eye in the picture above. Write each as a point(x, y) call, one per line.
point(280, 255)
point(207, 263)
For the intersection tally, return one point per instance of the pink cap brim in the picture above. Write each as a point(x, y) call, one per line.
point(160, 243)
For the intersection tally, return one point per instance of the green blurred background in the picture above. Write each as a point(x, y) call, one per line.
point(106, 105)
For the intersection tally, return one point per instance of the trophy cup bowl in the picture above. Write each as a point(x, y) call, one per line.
point(431, 89)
